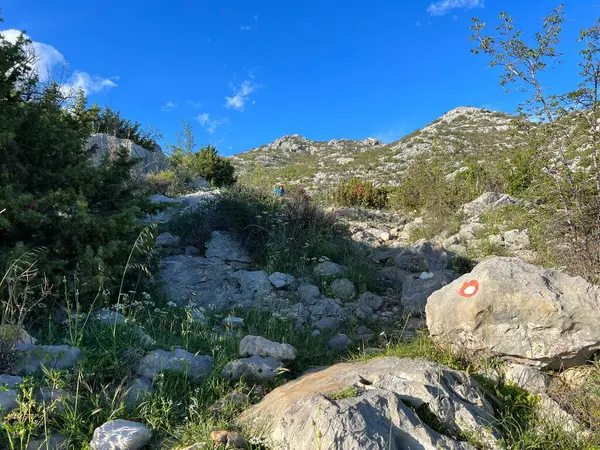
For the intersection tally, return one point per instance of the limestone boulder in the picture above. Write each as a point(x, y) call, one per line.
point(374, 405)
point(509, 308)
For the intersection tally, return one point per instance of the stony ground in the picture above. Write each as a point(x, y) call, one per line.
point(217, 355)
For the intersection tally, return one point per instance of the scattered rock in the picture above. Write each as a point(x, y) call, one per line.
point(536, 382)
point(192, 251)
point(55, 441)
point(486, 202)
point(514, 309)
point(197, 316)
point(435, 256)
point(230, 439)
point(415, 291)
point(135, 392)
point(168, 240)
point(343, 289)
point(179, 361)
point(380, 417)
point(411, 262)
point(110, 317)
point(326, 313)
point(329, 269)
point(281, 280)
point(254, 368)
point(224, 247)
point(143, 338)
point(31, 357)
point(371, 300)
point(234, 398)
point(259, 346)
point(253, 284)
point(15, 335)
point(308, 292)
point(55, 399)
point(233, 322)
point(120, 435)
point(8, 401)
point(339, 342)
point(364, 334)
point(380, 257)
point(10, 381)
point(201, 282)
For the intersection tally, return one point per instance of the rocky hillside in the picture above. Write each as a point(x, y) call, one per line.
point(316, 165)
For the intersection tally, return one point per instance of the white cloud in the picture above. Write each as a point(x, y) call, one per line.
point(169, 106)
point(443, 7)
point(48, 60)
point(209, 124)
point(194, 104)
point(245, 27)
point(241, 95)
point(90, 83)
point(419, 24)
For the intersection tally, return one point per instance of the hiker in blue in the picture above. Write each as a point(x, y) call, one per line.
point(279, 191)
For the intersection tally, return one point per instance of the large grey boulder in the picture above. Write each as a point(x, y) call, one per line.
point(178, 361)
point(255, 368)
point(120, 435)
point(371, 405)
point(224, 247)
point(258, 345)
point(486, 202)
point(150, 160)
point(510, 308)
point(30, 358)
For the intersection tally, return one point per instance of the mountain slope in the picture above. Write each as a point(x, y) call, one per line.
point(318, 165)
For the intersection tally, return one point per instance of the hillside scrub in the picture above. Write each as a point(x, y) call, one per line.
point(356, 192)
point(286, 235)
point(82, 219)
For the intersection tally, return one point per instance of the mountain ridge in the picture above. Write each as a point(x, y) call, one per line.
point(317, 165)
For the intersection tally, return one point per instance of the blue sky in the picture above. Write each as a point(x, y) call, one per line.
point(247, 72)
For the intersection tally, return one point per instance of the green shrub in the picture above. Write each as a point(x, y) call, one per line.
point(161, 182)
point(188, 165)
point(360, 193)
point(86, 218)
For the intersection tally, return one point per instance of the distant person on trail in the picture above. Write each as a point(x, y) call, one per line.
point(279, 191)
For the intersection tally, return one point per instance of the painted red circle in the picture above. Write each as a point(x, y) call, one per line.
point(469, 289)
